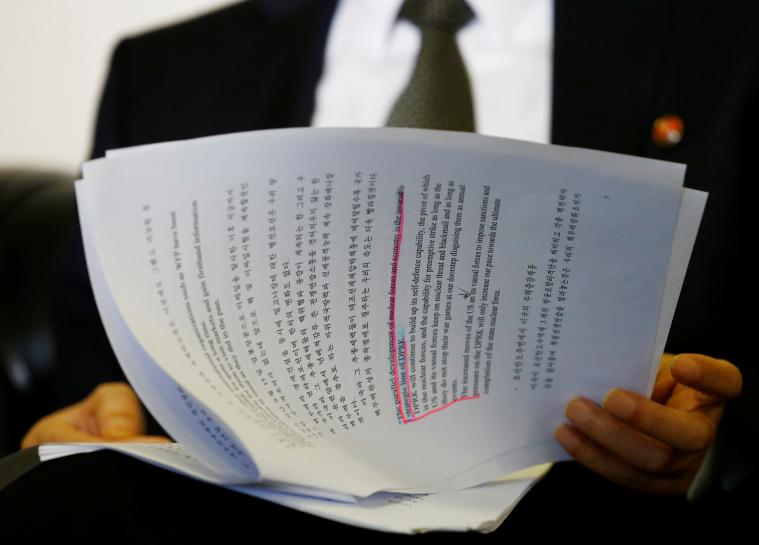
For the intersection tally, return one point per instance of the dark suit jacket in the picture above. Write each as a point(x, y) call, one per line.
point(618, 65)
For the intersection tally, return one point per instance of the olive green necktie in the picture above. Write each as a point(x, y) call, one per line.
point(438, 95)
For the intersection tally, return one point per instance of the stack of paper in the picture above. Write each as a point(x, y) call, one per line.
point(345, 315)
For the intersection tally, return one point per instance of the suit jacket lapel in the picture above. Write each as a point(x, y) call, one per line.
point(253, 65)
point(308, 22)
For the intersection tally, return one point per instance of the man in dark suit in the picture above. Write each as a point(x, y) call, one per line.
point(618, 66)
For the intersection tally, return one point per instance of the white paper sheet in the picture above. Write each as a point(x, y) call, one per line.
point(620, 256)
point(482, 508)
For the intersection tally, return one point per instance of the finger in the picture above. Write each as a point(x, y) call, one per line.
point(81, 418)
point(685, 431)
point(592, 456)
point(117, 411)
point(709, 375)
point(664, 385)
point(666, 360)
point(56, 430)
point(618, 438)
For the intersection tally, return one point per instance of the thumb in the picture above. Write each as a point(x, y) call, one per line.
point(117, 411)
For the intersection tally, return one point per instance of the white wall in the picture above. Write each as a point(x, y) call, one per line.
point(53, 57)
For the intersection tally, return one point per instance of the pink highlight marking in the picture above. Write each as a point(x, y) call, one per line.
point(393, 279)
point(408, 381)
point(394, 341)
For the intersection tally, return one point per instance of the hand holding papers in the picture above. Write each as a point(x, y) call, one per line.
point(381, 311)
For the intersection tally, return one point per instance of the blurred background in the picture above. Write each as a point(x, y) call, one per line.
point(53, 57)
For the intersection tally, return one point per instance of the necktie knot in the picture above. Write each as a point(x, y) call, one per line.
point(447, 15)
point(438, 95)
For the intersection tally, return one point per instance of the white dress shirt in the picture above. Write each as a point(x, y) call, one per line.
point(507, 49)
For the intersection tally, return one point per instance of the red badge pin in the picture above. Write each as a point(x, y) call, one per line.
point(667, 131)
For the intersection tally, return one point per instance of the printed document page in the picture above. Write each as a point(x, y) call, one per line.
point(375, 309)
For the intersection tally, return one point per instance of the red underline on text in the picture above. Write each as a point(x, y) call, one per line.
point(394, 342)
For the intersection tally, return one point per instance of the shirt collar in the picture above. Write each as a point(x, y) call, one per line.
point(390, 9)
point(381, 29)
point(495, 21)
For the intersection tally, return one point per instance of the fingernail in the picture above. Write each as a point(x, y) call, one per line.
point(578, 410)
point(565, 437)
point(619, 404)
point(686, 368)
